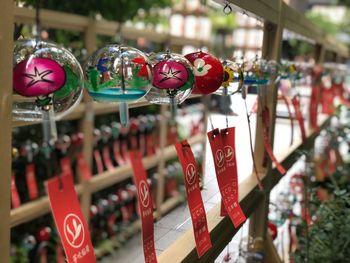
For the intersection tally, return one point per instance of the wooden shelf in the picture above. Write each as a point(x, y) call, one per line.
point(98, 109)
point(41, 206)
point(171, 203)
point(33, 209)
point(221, 228)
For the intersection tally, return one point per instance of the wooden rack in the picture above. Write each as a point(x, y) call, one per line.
point(277, 16)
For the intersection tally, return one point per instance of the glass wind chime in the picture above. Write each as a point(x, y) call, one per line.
point(47, 82)
point(117, 73)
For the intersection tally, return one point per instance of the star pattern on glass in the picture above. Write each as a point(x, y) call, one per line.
point(38, 77)
point(170, 75)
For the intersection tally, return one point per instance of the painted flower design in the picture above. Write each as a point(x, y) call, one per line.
point(200, 68)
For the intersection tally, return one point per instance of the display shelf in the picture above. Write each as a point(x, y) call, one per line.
point(114, 243)
point(37, 208)
point(98, 109)
point(33, 209)
point(221, 228)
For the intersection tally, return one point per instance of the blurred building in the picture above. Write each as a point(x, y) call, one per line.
point(248, 37)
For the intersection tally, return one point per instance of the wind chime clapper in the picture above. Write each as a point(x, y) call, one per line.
point(49, 125)
point(118, 74)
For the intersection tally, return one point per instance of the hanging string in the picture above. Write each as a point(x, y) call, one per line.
point(37, 22)
point(211, 122)
point(251, 147)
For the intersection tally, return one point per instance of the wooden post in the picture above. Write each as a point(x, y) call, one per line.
point(272, 45)
point(161, 165)
point(6, 51)
point(319, 53)
point(87, 123)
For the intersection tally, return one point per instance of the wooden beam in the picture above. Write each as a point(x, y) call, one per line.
point(272, 46)
point(87, 123)
point(6, 51)
point(162, 161)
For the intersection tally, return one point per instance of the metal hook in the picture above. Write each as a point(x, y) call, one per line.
point(227, 8)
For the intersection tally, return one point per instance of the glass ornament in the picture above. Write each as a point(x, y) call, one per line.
point(47, 80)
point(173, 80)
point(233, 78)
point(208, 72)
point(117, 73)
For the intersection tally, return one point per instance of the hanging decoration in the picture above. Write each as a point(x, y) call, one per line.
point(47, 83)
point(208, 72)
point(118, 73)
point(232, 80)
point(173, 80)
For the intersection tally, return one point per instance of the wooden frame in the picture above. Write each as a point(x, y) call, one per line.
point(277, 15)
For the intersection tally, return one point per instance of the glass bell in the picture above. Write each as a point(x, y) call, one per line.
point(208, 71)
point(233, 78)
point(173, 79)
point(47, 79)
point(118, 73)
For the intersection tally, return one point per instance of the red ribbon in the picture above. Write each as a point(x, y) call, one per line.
point(98, 161)
point(266, 122)
point(300, 118)
point(84, 169)
point(313, 106)
point(31, 182)
point(15, 200)
point(145, 207)
point(194, 198)
point(107, 158)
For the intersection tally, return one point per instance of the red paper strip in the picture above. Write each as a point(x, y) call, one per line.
point(142, 144)
point(15, 200)
point(228, 141)
point(59, 254)
point(107, 158)
point(84, 169)
point(194, 198)
point(145, 207)
point(300, 118)
point(66, 166)
point(327, 101)
point(125, 151)
point(69, 219)
point(117, 155)
point(284, 98)
point(150, 145)
point(31, 182)
point(313, 106)
point(98, 161)
point(266, 122)
point(225, 180)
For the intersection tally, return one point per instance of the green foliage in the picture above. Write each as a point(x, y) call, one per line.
point(323, 22)
point(328, 238)
point(299, 48)
point(221, 22)
point(117, 10)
